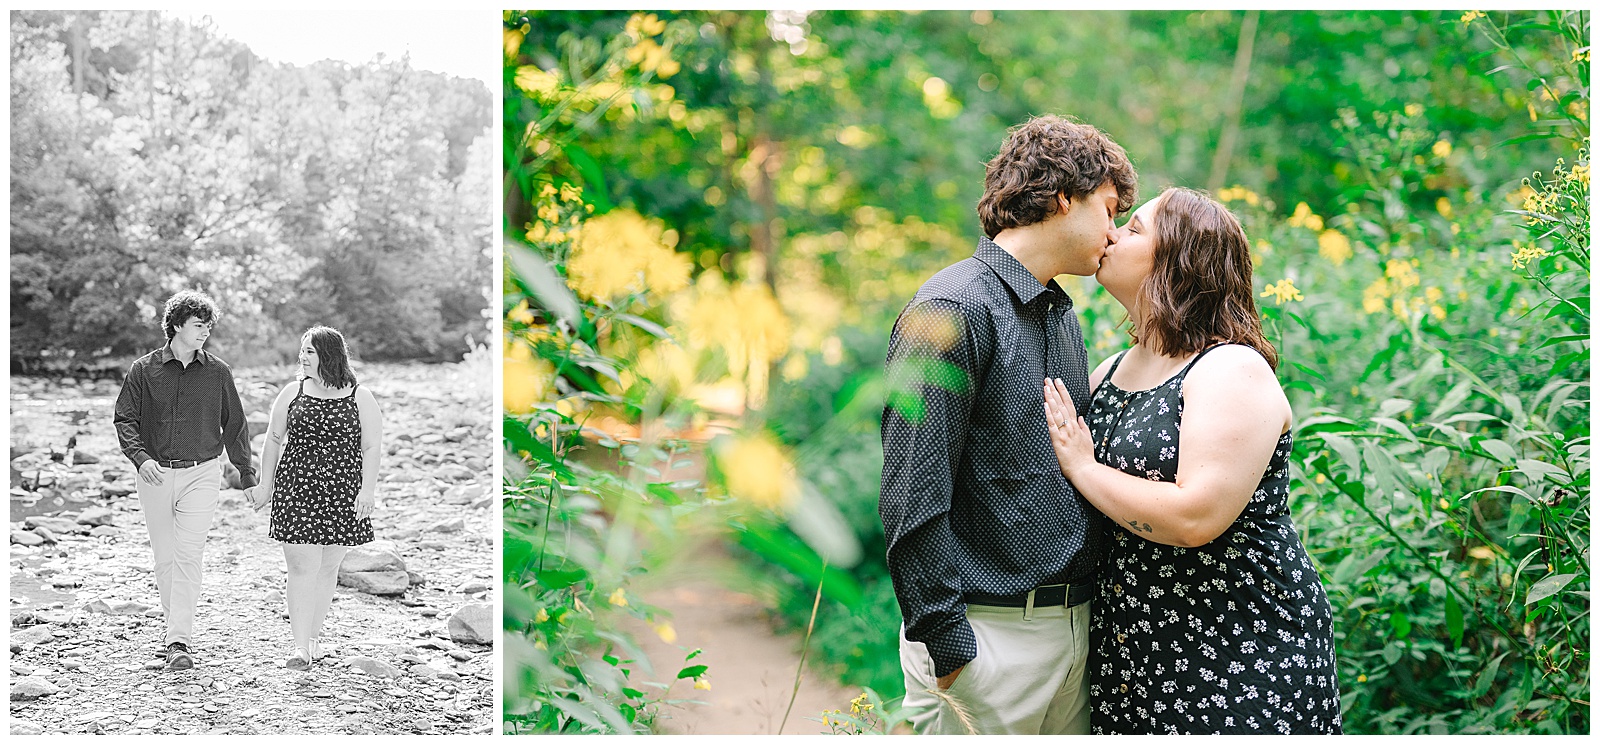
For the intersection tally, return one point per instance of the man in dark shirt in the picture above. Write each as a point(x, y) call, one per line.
point(992, 552)
point(177, 412)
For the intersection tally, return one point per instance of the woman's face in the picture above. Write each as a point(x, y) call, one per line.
point(1131, 256)
point(308, 358)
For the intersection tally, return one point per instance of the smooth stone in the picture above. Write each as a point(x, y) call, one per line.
point(372, 666)
point(473, 623)
point(31, 688)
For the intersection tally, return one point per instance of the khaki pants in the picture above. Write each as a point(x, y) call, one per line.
point(178, 515)
point(1028, 677)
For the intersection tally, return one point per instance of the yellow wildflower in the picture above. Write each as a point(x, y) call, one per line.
point(702, 684)
point(1413, 109)
point(1526, 253)
point(513, 41)
point(1402, 272)
point(1580, 55)
point(667, 633)
point(540, 645)
point(1303, 217)
point(618, 598)
point(1445, 209)
point(536, 82)
point(1441, 148)
point(1580, 173)
point(1284, 291)
point(755, 468)
point(1469, 17)
point(623, 252)
point(1239, 194)
point(1372, 298)
point(1361, 678)
point(525, 380)
point(1322, 479)
point(1334, 246)
point(541, 616)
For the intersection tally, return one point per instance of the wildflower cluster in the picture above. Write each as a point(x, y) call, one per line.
point(646, 52)
point(623, 253)
point(1284, 290)
point(861, 719)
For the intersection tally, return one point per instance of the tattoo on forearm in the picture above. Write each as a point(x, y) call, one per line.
point(1145, 528)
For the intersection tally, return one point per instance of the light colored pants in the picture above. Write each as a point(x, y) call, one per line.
point(1028, 677)
point(178, 514)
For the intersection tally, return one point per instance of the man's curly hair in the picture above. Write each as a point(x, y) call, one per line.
point(184, 306)
point(1046, 156)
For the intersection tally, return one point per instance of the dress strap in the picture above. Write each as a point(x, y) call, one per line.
point(302, 390)
point(1185, 370)
point(353, 387)
point(1114, 362)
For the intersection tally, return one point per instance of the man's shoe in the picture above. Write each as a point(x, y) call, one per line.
point(178, 657)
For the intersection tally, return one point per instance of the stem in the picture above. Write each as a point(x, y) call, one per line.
point(1423, 558)
point(805, 646)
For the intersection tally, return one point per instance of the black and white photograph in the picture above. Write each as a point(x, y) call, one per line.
point(252, 375)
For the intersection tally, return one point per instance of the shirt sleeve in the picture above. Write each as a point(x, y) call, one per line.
point(236, 432)
point(935, 357)
point(126, 416)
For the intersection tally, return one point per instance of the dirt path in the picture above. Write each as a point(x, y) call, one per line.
point(86, 617)
point(751, 667)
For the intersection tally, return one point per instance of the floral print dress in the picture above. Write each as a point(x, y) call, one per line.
point(319, 475)
point(1235, 636)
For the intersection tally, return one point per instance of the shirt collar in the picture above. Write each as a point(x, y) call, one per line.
point(1022, 283)
point(168, 356)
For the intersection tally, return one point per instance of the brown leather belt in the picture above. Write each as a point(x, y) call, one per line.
point(179, 463)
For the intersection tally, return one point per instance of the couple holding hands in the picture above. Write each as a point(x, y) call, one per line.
point(1106, 551)
point(176, 414)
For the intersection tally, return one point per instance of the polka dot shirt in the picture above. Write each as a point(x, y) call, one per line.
point(972, 499)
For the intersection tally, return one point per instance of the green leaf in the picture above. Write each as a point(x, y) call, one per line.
point(1548, 586)
point(1499, 450)
point(664, 493)
point(1356, 566)
point(648, 326)
point(693, 671)
point(1454, 621)
point(594, 178)
point(543, 282)
point(1401, 624)
point(555, 579)
point(1486, 678)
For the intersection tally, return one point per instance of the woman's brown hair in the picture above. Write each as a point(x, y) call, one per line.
point(1199, 291)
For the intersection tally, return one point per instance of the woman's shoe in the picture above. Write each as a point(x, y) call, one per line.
point(300, 660)
point(317, 650)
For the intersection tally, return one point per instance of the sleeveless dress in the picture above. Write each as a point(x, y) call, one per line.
point(1235, 636)
point(319, 475)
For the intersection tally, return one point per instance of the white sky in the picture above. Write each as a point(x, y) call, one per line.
point(461, 41)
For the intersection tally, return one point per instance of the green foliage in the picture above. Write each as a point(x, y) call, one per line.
point(1430, 306)
point(151, 155)
point(586, 513)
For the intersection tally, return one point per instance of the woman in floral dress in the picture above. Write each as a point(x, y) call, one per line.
point(319, 473)
point(1210, 616)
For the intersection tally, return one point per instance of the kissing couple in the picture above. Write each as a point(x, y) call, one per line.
point(1106, 552)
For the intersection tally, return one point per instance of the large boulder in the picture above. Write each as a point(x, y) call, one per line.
point(31, 688)
point(95, 516)
point(55, 525)
point(21, 639)
point(473, 623)
point(376, 583)
point(377, 556)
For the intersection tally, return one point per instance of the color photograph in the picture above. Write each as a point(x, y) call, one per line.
point(252, 402)
point(1046, 372)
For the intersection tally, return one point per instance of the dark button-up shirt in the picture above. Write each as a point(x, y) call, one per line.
point(171, 411)
point(972, 497)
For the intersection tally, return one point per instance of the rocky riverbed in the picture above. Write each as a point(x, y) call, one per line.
point(411, 625)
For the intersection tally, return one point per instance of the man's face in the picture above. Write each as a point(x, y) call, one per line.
point(1085, 228)
point(193, 333)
